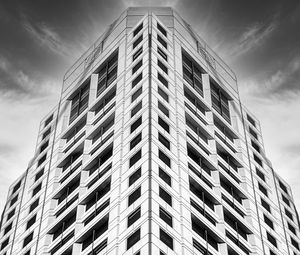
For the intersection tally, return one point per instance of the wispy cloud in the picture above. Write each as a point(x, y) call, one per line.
point(47, 37)
point(17, 83)
point(253, 37)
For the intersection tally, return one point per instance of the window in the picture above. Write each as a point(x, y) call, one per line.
point(94, 233)
point(133, 217)
point(39, 174)
point(135, 176)
point(136, 94)
point(166, 217)
point(164, 176)
point(42, 160)
point(34, 205)
point(4, 243)
point(136, 80)
point(64, 224)
point(272, 252)
point(28, 239)
point(255, 146)
point(137, 66)
point(163, 124)
point(135, 124)
point(253, 133)
point(288, 213)
point(16, 187)
point(283, 187)
point(285, 200)
point(97, 249)
point(162, 41)
point(162, 66)
point(137, 53)
point(220, 102)
point(135, 141)
point(163, 94)
point(271, 239)
point(163, 108)
point(265, 205)
point(107, 73)
point(162, 80)
point(192, 73)
point(252, 121)
point(291, 228)
point(14, 200)
point(136, 109)
point(257, 160)
point(260, 174)
point(135, 158)
point(31, 222)
point(161, 29)
point(134, 196)
point(165, 238)
point(165, 196)
point(137, 41)
point(47, 121)
point(294, 243)
point(133, 239)
point(164, 140)
point(162, 54)
point(79, 102)
point(46, 133)
point(263, 189)
point(44, 146)
point(164, 158)
point(11, 213)
point(138, 29)
point(36, 189)
point(7, 229)
point(268, 221)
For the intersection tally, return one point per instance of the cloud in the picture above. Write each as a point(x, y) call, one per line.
point(252, 37)
point(17, 84)
point(47, 37)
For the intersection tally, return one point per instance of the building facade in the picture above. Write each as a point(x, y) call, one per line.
point(149, 151)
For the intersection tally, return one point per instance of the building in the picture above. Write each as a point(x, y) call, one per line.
point(150, 151)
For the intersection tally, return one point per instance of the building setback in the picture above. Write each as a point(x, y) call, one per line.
point(149, 151)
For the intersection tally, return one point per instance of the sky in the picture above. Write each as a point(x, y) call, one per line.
point(41, 39)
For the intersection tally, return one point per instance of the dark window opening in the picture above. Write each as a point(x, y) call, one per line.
point(165, 216)
point(134, 216)
point(137, 66)
point(136, 94)
point(165, 196)
point(135, 141)
point(79, 102)
point(166, 239)
point(133, 239)
point(135, 176)
point(164, 158)
point(135, 158)
point(135, 124)
point(31, 222)
point(137, 80)
point(162, 80)
point(138, 29)
point(137, 41)
point(134, 196)
point(28, 239)
point(164, 176)
point(162, 66)
point(136, 109)
point(163, 124)
point(162, 41)
point(161, 29)
point(163, 109)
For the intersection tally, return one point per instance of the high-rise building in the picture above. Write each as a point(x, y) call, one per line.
point(150, 151)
